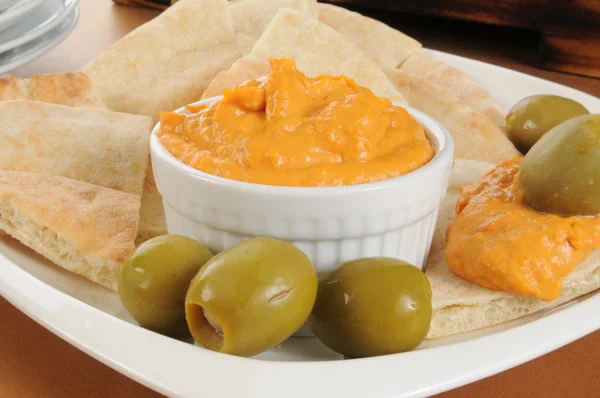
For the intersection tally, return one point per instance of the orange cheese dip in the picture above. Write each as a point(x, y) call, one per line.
point(499, 243)
point(291, 130)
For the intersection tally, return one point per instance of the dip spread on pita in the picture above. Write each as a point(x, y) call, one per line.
point(497, 242)
point(289, 129)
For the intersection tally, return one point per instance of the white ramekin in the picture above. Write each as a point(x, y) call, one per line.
point(392, 218)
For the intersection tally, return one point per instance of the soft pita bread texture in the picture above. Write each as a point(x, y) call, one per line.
point(316, 48)
point(168, 62)
point(164, 65)
point(152, 214)
point(248, 68)
point(251, 17)
point(13, 88)
point(461, 306)
point(94, 145)
point(70, 89)
point(445, 76)
point(84, 228)
point(386, 45)
point(475, 135)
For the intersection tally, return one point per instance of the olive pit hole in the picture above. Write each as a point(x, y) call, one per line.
point(212, 321)
point(205, 329)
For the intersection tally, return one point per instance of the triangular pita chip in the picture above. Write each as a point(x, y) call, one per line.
point(70, 89)
point(167, 62)
point(461, 85)
point(247, 68)
point(316, 48)
point(386, 45)
point(152, 214)
point(460, 306)
point(94, 145)
point(251, 17)
point(475, 135)
point(84, 228)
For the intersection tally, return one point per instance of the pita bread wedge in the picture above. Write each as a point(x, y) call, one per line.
point(316, 48)
point(475, 135)
point(465, 88)
point(168, 62)
point(152, 214)
point(247, 68)
point(84, 228)
point(70, 89)
point(13, 88)
point(386, 45)
point(460, 306)
point(251, 17)
point(94, 145)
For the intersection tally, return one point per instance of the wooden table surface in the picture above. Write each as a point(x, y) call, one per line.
point(35, 363)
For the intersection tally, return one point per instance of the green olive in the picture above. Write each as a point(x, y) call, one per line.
point(251, 297)
point(561, 173)
point(372, 306)
point(154, 281)
point(533, 116)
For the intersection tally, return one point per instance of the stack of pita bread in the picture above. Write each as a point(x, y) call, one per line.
point(71, 173)
point(85, 218)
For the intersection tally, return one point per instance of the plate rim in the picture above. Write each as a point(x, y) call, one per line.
point(11, 273)
point(252, 372)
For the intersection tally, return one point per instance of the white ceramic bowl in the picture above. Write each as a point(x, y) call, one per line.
point(392, 218)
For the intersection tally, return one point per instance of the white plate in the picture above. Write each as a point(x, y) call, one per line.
point(17, 12)
point(41, 20)
point(24, 53)
point(92, 318)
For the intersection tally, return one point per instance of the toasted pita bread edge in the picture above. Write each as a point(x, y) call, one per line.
point(84, 228)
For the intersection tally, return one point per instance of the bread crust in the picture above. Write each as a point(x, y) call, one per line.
point(93, 229)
